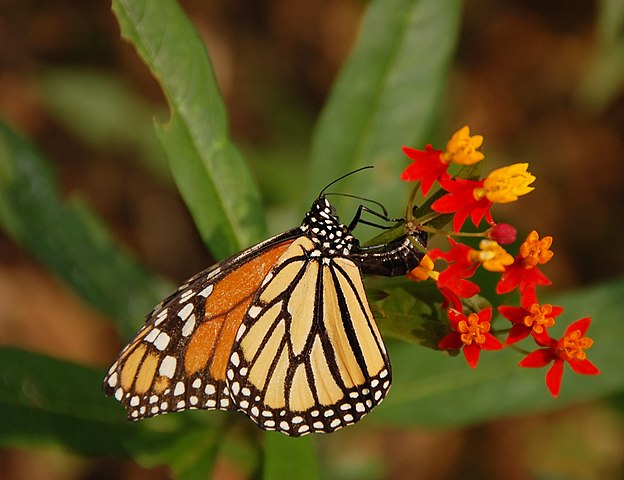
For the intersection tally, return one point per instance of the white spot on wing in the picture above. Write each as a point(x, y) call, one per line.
point(186, 311)
point(151, 336)
point(179, 389)
point(161, 341)
point(254, 311)
point(168, 366)
point(206, 291)
point(189, 326)
point(112, 380)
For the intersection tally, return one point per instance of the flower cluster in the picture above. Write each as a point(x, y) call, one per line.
point(462, 198)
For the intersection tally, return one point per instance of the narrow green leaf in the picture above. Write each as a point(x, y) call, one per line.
point(386, 96)
point(603, 79)
point(69, 239)
point(432, 389)
point(208, 169)
point(47, 401)
point(190, 455)
point(287, 457)
point(118, 118)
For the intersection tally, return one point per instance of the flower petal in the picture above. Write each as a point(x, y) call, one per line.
point(582, 325)
point(538, 358)
point(584, 367)
point(553, 377)
point(491, 342)
point(472, 352)
point(517, 333)
point(451, 342)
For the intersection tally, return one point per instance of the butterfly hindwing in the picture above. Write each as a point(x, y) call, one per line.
point(309, 356)
point(178, 359)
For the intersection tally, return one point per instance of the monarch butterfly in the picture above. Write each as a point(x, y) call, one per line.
point(281, 331)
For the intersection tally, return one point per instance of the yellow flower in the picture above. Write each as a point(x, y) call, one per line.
point(506, 184)
point(462, 148)
point(424, 271)
point(492, 256)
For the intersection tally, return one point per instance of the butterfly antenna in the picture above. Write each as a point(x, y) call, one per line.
point(345, 176)
point(364, 199)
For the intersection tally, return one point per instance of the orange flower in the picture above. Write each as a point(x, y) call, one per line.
point(424, 270)
point(470, 333)
point(531, 318)
point(523, 273)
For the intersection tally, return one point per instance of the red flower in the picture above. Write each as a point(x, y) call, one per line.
point(452, 281)
point(431, 164)
point(461, 200)
point(470, 333)
point(428, 166)
point(569, 348)
point(531, 318)
point(523, 273)
point(474, 198)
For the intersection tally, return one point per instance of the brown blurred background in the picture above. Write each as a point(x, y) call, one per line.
point(522, 78)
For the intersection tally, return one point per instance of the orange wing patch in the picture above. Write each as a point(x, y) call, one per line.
point(224, 312)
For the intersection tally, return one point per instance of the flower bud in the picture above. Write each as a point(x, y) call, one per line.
point(502, 233)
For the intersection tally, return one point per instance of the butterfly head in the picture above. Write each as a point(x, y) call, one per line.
point(324, 228)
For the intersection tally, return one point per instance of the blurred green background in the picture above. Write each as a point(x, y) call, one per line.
point(542, 81)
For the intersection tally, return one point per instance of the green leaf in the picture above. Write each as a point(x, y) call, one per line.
point(47, 401)
point(387, 95)
point(69, 239)
point(603, 79)
point(208, 169)
point(402, 315)
point(117, 117)
point(435, 390)
point(287, 457)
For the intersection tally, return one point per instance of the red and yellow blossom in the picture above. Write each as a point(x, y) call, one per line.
point(523, 273)
point(430, 164)
point(463, 198)
point(492, 256)
point(470, 333)
point(452, 281)
point(474, 198)
point(571, 349)
point(531, 318)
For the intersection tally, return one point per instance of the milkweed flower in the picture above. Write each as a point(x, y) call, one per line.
point(523, 273)
point(532, 318)
point(474, 198)
point(568, 349)
point(424, 270)
point(452, 281)
point(431, 164)
point(506, 184)
point(471, 334)
point(492, 256)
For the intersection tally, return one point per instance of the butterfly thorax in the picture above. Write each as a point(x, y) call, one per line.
point(322, 226)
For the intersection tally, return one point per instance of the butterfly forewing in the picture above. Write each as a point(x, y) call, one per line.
point(309, 356)
point(178, 359)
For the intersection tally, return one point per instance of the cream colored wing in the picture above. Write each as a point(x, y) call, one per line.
point(308, 356)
